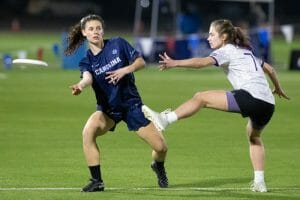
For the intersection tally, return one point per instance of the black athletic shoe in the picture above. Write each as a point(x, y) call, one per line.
point(161, 174)
point(93, 186)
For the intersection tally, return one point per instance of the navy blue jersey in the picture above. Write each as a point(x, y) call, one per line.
point(116, 53)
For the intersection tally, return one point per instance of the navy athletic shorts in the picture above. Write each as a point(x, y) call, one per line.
point(131, 115)
point(259, 111)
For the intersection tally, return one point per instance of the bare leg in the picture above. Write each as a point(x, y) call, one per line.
point(257, 156)
point(156, 141)
point(256, 148)
point(159, 151)
point(215, 99)
point(98, 124)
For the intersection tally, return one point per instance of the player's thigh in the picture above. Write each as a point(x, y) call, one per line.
point(216, 99)
point(98, 124)
point(153, 137)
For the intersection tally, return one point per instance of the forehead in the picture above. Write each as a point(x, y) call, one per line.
point(212, 29)
point(93, 23)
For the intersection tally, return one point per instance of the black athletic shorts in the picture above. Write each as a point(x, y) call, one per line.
point(259, 111)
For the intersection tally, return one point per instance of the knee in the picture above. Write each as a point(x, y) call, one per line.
point(255, 140)
point(161, 148)
point(89, 133)
point(199, 97)
point(253, 135)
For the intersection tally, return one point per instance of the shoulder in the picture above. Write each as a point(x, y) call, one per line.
point(85, 60)
point(229, 47)
point(117, 40)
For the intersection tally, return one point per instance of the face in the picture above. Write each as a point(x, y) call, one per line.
point(215, 40)
point(93, 32)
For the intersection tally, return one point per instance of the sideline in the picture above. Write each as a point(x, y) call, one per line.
point(141, 189)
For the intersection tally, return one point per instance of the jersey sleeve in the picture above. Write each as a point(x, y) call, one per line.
point(220, 56)
point(130, 52)
point(84, 65)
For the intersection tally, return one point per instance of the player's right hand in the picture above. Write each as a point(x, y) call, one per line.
point(76, 89)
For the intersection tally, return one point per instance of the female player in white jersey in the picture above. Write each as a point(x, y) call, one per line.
point(108, 68)
point(251, 96)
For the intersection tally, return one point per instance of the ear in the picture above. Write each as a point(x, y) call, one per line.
point(224, 37)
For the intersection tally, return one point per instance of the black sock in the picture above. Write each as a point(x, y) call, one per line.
point(160, 165)
point(96, 172)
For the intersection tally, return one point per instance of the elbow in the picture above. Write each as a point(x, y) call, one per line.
point(142, 62)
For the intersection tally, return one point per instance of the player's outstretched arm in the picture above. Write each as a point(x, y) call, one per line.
point(166, 62)
point(268, 69)
point(86, 80)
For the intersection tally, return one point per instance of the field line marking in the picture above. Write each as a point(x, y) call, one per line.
point(141, 189)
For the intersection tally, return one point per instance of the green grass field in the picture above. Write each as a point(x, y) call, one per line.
point(41, 123)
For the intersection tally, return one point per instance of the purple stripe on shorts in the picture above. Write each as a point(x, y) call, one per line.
point(232, 104)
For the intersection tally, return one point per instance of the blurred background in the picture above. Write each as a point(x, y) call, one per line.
point(178, 27)
point(32, 14)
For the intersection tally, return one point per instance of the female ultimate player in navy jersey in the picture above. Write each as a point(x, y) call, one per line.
point(251, 96)
point(108, 67)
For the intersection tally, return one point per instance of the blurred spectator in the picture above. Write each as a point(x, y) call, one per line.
point(257, 15)
point(166, 16)
point(188, 21)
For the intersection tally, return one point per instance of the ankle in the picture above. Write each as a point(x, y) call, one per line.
point(259, 176)
point(171, 117)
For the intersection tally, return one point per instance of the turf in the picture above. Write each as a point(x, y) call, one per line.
point(40, 140)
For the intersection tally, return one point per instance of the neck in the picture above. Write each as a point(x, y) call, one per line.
point(96, 48)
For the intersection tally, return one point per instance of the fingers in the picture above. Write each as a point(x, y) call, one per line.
point(112, 77)
point(281, 94)
point(286, 97)
point(161, 68)
point(161, 56)
point(166, 55)
point(75, 89)
point(164, 62)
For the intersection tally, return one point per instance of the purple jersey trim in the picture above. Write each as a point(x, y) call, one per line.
point(217, 64)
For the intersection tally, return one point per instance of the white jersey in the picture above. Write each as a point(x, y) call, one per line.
point(244, 71)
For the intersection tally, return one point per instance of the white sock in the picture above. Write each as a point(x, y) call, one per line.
point(171, 117)
point(259, 176)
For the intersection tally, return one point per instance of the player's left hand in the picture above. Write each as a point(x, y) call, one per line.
point(115, 76)
point(280, 93)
